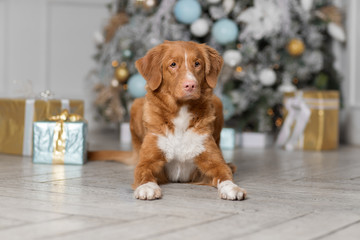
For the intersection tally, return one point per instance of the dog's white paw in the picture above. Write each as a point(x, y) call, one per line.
point(230, 191)
point(148, 191)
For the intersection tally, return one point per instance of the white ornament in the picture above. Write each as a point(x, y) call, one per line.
point(98, 38)
point(199, 28)
point(213, 1)
point(228, 5)
point(336, 32)
point(267, 77)
point(307, 4)
point(232, 57)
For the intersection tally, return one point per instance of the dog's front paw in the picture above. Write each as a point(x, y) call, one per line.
point(148, 191)
point(230, 191)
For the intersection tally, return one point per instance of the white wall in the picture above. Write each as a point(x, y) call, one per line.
point(50, 43)
point(350, 67)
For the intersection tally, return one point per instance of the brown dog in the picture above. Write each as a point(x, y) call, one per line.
point(176, 127)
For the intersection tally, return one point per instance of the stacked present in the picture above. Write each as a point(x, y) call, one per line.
point(17, 117)
point(61, 140)
point(312, 121)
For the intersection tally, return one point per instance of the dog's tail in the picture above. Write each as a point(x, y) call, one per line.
point(126, 157)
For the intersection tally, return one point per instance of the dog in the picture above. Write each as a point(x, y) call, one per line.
point(176, 127)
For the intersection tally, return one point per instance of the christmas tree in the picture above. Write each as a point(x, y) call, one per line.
point(269, 47)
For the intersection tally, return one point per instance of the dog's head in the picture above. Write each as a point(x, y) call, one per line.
point(183, 69)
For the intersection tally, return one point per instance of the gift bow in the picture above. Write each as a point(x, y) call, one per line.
point(59, 140)
point(299, 112)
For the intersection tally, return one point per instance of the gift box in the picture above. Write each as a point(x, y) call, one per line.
point(316, 117)
point(256, 140)
point(18, 115)
point(229, 138)
point(62, 141)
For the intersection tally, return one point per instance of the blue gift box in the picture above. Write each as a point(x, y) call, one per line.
point(229, 138)
point(46, 142)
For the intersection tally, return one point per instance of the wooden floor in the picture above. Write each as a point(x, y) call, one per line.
point(291, 195)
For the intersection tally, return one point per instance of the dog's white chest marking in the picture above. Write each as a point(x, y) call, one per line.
point(181, 147)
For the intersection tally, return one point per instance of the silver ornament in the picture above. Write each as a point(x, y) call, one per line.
point(267, 77)
point(199, 28)
point(232, 57)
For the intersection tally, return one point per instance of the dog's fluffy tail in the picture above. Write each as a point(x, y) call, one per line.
point(126, 157)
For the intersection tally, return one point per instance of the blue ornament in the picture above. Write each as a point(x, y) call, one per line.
point(136, 86)
point(225, 31)
point(228, 107)
point(187, 11)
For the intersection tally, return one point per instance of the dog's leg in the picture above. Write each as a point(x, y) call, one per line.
point(212, 165)
point(149, 171)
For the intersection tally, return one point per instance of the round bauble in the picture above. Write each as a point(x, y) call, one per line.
point(114, 83)
point(199, 28)
point(225, 31)
point(149, 4)
point(267, 77)
point(122, 73)
point(187, 11)
point(228, 5)
point(295, 47)
point(232, 57)
point(136, 86)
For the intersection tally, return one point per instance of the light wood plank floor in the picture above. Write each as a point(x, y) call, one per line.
point(292, 195)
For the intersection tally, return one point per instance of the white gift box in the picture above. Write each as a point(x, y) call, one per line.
point(125, 134)
point(256, 140)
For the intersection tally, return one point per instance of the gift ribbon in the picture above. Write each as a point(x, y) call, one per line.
point(59, 140)
point(28, 120)
point(29, 117)
point(299, 112)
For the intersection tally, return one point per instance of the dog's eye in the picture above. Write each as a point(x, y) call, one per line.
point(173, 65)
point(197, 64)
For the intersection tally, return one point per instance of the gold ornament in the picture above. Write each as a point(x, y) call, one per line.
point(295, 47)
point(114, 63)
point(239, 69)
point(122, 73)
point(278, 122)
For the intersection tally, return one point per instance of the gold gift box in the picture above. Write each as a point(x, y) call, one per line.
point(322, 129)
point(13, 117)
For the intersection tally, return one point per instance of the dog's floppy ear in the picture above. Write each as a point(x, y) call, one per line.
point(150, 67)
point(213, 65)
